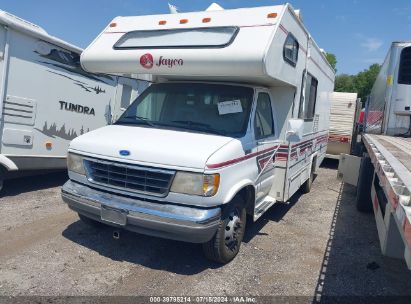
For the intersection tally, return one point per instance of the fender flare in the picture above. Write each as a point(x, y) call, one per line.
point(237, 188)
point(7, 163)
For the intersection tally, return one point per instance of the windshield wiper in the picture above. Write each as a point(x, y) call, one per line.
point(203, 126)
point(139, 119)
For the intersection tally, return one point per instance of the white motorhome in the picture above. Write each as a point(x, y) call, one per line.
point(47, 99)
point(238, 121)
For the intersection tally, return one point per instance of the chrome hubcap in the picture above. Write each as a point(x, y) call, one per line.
point(232, 230)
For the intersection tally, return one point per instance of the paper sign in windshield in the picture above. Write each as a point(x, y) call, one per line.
point(229, 107)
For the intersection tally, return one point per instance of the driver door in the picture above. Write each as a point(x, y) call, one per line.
point(265, 136)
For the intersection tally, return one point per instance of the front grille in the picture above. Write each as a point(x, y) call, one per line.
point(131, 178)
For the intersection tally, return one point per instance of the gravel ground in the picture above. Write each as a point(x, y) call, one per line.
point(315, 246)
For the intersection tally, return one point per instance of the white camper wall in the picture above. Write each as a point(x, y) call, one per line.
point(43, 86)
point(276, 66)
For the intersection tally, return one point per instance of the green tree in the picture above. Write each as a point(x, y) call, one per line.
point(332, 60)
point(345, 83)
point(361, 83)
point(365, 80)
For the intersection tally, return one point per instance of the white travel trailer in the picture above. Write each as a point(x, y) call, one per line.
point(345, 110)
point(238, 121)
point(47, 99)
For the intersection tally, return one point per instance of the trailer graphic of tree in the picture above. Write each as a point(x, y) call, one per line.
point(53, 131)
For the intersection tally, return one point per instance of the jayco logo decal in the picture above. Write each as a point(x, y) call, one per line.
point(169, 62)
point(147, 61)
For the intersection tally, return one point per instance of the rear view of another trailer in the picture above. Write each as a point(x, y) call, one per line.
point(384, 170)
point(345, 110)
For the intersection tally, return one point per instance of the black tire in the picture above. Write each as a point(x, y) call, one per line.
point(223, 248)
point(90, 222)
point(363, 197)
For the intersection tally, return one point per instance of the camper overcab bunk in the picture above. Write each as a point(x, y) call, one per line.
point(237, 121)
point(47, 99)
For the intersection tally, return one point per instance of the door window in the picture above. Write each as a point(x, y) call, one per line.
point(263, 121)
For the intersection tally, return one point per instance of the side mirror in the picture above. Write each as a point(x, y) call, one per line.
point(295, 130)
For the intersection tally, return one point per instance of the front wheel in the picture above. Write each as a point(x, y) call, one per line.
point(225, 244)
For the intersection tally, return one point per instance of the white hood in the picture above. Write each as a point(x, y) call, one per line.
point(151, 146)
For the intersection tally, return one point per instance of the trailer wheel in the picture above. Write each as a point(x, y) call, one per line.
point(306, 187)
point(363, 197)
point(90, 222)
point(225, 244)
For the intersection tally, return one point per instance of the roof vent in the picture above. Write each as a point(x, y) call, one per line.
point(214, 7)
point(299, 15)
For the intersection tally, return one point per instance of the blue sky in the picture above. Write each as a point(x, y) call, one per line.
point(358, 32)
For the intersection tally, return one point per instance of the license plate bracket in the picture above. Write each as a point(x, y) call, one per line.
point(113, 215)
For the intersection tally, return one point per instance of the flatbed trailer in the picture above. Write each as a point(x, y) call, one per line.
point(390, 192)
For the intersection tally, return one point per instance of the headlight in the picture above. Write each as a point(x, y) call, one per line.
point(75, 163)
point(196, 184)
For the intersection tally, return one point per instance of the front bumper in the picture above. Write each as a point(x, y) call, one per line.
point(189, 224)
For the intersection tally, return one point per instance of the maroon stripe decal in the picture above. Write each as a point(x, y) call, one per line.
point(257, 25)
point(318, 66)
point(283, 156)
point(283, 29)
point(240, 159)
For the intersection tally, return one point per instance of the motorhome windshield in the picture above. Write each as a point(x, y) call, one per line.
point(206, 108)
point(178, 38)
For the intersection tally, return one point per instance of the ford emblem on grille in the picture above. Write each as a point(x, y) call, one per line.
point(124, 152)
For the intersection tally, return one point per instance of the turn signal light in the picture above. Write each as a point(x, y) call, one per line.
point(113, 24)
point(162, 22)
point(206, 20)
point(49, 145)
point(272, 15)
point(183, 21)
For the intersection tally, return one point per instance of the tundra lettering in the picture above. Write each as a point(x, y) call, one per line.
point(68, 106)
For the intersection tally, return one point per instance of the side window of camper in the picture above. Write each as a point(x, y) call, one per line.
point(290, 51)
point(404, 74)
point(263, 120)
point(307, 107)
point(126, 97)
